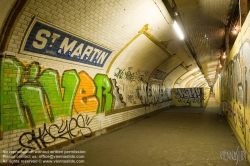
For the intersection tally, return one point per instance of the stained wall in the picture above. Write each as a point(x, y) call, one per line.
point(232, 89)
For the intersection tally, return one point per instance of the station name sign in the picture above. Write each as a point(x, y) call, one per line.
point(47, 40)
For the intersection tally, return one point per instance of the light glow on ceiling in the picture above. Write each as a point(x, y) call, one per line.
point(178, 30)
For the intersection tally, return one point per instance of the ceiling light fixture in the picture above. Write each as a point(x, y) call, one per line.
point(178, 30)
point(234, 31)
point(224, 56)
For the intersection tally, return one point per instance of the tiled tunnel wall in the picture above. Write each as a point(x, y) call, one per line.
point(232, 89)
point(80, 66)
point(190, 97)
point(54, 79)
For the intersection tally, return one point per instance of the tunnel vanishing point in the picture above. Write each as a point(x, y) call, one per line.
point(76, 69)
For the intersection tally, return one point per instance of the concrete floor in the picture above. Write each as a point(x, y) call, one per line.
point(175, 137)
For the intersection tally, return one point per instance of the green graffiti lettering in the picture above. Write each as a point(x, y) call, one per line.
point(34, 104)
point(103, 93)
point(33, 71)
point(33, 100)
point(11, 114)
point(60, 101)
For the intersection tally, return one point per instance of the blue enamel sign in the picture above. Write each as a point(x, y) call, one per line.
point(47, 40)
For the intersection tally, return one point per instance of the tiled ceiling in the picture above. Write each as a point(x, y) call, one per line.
point(204, 22)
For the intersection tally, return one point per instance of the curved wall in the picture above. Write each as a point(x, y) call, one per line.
point(86, 65)
point(233, 87)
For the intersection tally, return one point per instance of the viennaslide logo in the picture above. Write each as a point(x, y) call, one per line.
point(236, 155)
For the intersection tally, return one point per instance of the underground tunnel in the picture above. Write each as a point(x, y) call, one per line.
point(115, 82)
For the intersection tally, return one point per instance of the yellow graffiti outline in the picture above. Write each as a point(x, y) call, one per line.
point(144, 29)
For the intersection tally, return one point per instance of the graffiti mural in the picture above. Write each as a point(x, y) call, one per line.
point(41, 107)
point(85, 98)
point(152, 93)
point(122, 74)
point(33, 96)
point(235, 89)
point(146, 93)
point(130, 75)
point(104, 88)
point(42, 137)
point(119, 103)
point(67, 130)
point(192, 97)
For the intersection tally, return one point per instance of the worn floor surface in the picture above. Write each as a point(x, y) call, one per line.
point(180, 136)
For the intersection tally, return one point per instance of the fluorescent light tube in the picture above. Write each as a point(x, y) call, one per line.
point(178, 30)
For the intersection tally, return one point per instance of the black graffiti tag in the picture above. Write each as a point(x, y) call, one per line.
point(71, 128)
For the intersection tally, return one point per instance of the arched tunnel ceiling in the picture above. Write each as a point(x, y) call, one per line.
point(205, 22)
point(140, 35)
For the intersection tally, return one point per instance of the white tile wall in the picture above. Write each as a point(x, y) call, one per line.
point(110, 23)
